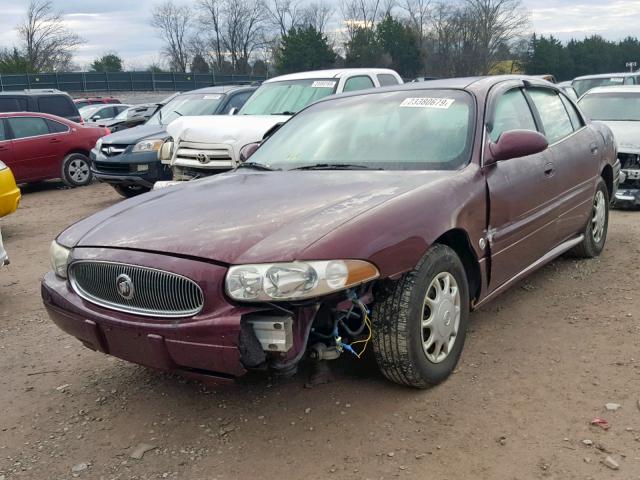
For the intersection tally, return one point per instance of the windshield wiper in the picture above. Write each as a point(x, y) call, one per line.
point(286, 112)
point(177, 113)
point(257, 166)
point(336, 166)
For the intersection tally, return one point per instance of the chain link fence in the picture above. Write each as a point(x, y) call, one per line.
point(121, 81)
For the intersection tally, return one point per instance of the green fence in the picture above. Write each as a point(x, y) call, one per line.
point(120, 81)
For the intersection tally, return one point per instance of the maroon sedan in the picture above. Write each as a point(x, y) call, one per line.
point(378, 218)
point(38, 146)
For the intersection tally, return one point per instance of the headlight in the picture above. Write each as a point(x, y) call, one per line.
point(2, 166)
point(99, 144)
point(296, 280)
point(165, 154)
point(151, 145)
point(59, 259)
point(142, 167)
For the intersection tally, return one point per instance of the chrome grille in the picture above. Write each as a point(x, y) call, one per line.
point(155, 293)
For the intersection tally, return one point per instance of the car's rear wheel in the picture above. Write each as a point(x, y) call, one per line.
point(420, 321)
point(595, 233)
point(76, 171)
point(129, 191)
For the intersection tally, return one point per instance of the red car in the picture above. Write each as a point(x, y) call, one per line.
point(38, 146)
point(83, 102)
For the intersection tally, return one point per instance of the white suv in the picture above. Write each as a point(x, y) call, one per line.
point(202, 146)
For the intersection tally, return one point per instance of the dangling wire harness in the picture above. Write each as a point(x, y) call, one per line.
point(365, 323)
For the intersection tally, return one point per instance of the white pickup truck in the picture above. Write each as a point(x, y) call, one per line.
point(202, 146)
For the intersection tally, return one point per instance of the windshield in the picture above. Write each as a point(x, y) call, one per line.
point(612, 106)
point(124, 114)
point(187, 104)
point(89, 110)
point(583, 86)
point(408, 130)
point(287, 97)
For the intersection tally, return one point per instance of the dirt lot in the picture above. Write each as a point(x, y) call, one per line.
point(540, 363)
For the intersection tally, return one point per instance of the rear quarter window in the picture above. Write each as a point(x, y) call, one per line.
point(56, 127)
point(57, 105)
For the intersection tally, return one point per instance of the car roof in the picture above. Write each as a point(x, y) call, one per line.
point(36, 114)
point(472, 84)
point(219, 89)
point(332, 73)
point(608, 75)
point(615, 88)
point(34, 93)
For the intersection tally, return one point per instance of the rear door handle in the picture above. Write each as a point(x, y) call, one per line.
point(549, 170)
point(55, 140)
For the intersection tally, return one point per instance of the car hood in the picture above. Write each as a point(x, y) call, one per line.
point(135, 134)
point(627, 135)
point(229, 129)
point(244, 216)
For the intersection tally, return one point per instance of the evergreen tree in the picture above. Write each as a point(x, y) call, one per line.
point(303, 48)
point(199, 64)
point(109, 62)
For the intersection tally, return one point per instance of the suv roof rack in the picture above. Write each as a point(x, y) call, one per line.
point(42, 90)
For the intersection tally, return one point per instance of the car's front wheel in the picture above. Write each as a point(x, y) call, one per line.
point(420, 321)
point(76, 171)
point(595, 233)
point(129, 191)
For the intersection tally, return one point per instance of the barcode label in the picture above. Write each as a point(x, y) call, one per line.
point(426, 102)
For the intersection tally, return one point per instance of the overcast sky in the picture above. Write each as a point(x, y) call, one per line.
point(123, 25)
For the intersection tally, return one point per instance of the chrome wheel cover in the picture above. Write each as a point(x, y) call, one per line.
point(440, 317)
point(599, 216)
point(79, 170)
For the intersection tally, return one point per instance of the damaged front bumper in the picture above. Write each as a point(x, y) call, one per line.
point(218, 344)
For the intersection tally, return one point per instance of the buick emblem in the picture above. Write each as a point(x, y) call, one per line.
point(202, 158)
point(124, 285)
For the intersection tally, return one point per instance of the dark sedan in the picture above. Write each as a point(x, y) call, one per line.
point(376, 219)
point(128, 160)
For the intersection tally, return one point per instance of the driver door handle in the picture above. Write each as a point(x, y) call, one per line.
point(594, 148)
point(549, 170)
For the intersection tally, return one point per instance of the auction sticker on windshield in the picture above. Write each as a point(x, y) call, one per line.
point(427, 102)
point(212, 97)
point(323, 84)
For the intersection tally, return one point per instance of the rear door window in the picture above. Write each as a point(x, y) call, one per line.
point(387, 79)
point(512, 113)
point(57, 105)
point(358, 83)
point(555, 119)
point(576, 119)
point(56, 127)
point(10, 105)
point(25, 127)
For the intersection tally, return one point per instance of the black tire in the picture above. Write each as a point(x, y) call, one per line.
point(129, 191)
point(591, 246)
point(397, 322)
point(76, 171)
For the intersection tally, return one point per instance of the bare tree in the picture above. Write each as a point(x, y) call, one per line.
point(47, 44)
point(284, 14)
point(174, 23)
point(317, 15)
point(358, 14)
point(243, 32)
point(498, 23)
point(213, 22)
point(419, 12)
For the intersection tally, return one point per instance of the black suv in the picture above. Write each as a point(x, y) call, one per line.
point(128, 159)
point(49, 101)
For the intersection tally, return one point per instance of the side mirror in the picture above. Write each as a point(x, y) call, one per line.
point(234, 111)
point(517, 143)
point(96, 117)
point(248, 150)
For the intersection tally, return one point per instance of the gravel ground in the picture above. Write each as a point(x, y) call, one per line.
point(540, 363)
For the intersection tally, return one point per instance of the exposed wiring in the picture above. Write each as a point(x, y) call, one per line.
point(367, 321)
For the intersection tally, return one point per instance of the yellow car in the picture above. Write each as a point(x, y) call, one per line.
point(9, 191)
